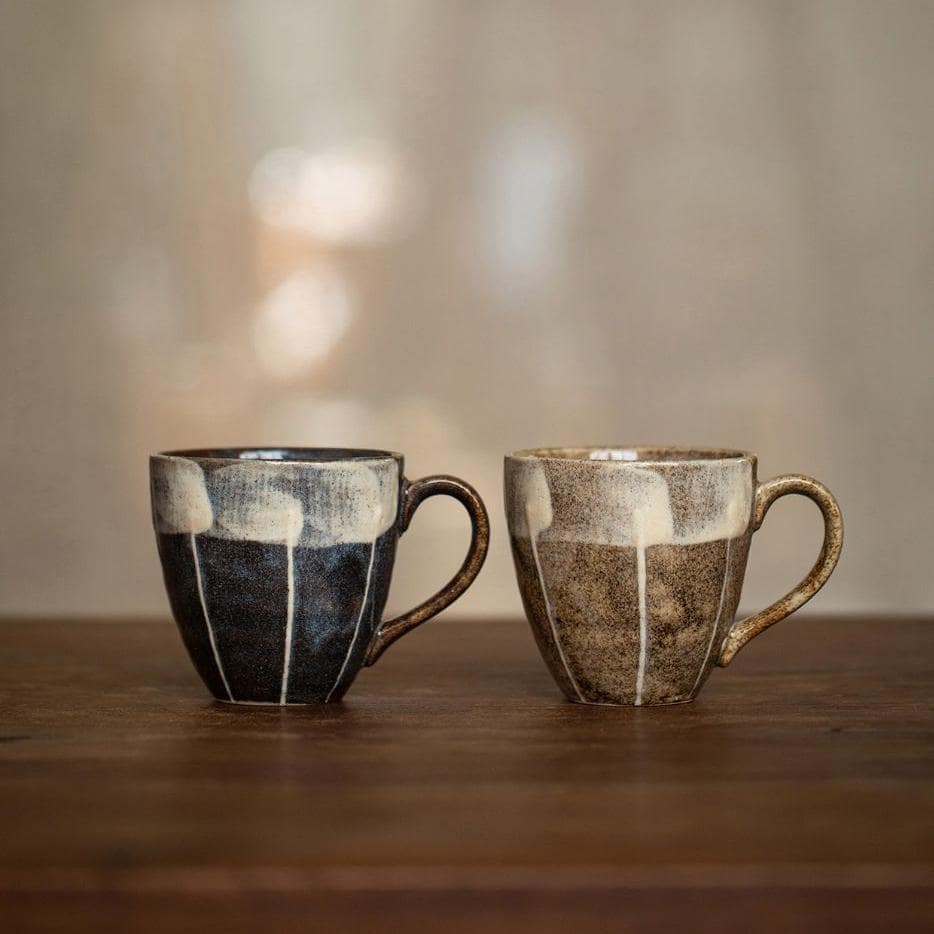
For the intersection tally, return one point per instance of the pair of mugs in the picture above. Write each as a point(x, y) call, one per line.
point(630, 563)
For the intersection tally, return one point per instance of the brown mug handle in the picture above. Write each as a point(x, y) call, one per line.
point(412, 496)
point(766, 494)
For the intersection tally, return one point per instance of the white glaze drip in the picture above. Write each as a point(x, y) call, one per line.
point(207, 618)
point(716, 622)
point(356, 632)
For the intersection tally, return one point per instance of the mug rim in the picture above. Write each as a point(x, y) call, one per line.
point(632, 454)
point(282, 454)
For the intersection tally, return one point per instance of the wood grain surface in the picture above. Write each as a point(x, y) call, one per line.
point(455, 787)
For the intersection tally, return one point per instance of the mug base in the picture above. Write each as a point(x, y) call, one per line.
point(228, 702)
point(663, 703)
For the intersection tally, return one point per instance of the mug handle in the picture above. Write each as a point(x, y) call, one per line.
point(740, 633)
point(412, 496)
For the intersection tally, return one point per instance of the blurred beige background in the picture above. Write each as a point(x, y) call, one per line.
point(454, 229)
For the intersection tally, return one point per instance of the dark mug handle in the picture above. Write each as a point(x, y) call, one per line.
point(769, 491)
point(412, 496)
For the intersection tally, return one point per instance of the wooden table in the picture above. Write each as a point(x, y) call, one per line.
point(455, 790)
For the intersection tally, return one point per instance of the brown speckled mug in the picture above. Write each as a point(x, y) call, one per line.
point(630, 562)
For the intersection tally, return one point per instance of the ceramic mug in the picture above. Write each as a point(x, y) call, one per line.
point(630, 563)
point(277, 563)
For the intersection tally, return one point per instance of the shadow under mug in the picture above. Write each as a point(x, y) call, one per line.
point(277, 563)
point(630, 562)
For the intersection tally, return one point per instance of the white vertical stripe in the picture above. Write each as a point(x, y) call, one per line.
point(356, 632)
point(548, 610)
point(643, 622)
point(289, 620)
point(716, 622)
point(207, 619)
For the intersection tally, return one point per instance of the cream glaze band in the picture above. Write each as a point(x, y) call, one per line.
point(308, 504)
point(630, 503)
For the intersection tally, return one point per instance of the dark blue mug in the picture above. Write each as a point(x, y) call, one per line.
point(277, 563)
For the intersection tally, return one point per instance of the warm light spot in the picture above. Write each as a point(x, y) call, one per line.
point(355, 192)
point(301, 321)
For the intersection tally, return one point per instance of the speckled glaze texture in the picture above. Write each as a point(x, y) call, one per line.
point(630, 562)
point(277, 563)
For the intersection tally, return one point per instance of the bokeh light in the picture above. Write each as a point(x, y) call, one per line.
point(301, 320)
point(356, 192)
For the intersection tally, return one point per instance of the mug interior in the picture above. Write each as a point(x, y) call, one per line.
point(286, 454)
point(632, 454)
